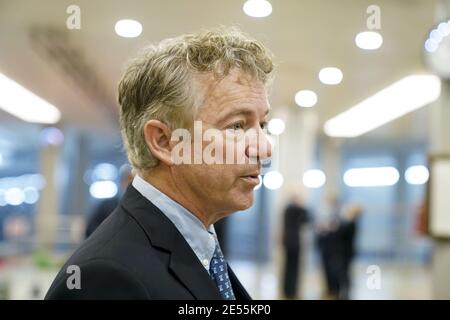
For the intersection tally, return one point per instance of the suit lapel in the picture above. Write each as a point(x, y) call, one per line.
point(193, 275)
point(163, 234)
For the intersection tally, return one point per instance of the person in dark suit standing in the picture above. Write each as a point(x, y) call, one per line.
point(295, 216)
point(329, 245)
point(336, 241)
point(347, 235)
point(193, 114)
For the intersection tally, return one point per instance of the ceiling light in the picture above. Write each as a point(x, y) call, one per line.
point(273, 180)
point(31, 195)
point(306, 98)
point(371, 177)
point(103, 189)
point(444, 28)
point(396, 100)
point(257, 8)
point(2, 198)
point(51, 136)
point(435, 35)
point(417, 175)
point(105, 171)
point(369, 40)
point(24, 104)
point(330, 75)
point(314, 178)
point(276, 126)
point(14, 196)
point(128, 28)
point(437, 50)
point(431, 45)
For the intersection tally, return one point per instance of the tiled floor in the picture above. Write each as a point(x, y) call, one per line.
point(397, 281)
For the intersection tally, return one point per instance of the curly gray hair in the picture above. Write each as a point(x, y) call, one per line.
point(161, 84)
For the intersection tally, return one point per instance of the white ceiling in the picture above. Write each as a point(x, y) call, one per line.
point(304, 36)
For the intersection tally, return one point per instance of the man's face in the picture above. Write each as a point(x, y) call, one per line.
point(234, 105)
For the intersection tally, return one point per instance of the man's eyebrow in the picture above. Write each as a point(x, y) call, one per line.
point(246, 111)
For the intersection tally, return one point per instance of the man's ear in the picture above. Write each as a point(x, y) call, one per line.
point(157, 136)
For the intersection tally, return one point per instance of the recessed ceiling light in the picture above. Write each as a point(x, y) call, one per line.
point(128, 28)
point(276, 126)
point(437, 50)
point(369, 40)
point(14, 196)
point(330, 75)
point(306, 98)
point(51, 136)
point(257, 8)
point(314, 178)
point(273, 180)
point(431, 45)
point(444, 28)
point(436, 35)
point(31, 195)
point(417, 175)
point(103, 189)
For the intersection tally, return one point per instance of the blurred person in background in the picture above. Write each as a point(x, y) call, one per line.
point(327, 239)
point(336, 241)
point(160, 242)
point(347, 231)
point(105, 207)
point(295, 216)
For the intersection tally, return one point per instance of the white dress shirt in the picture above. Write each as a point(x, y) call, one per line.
point(201, 240)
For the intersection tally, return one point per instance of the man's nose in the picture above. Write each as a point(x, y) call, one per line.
point(260, 146)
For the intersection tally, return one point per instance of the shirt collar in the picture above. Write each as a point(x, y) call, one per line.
point(201, 240)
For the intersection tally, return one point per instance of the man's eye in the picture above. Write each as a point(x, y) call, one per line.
point(236, 126)
point(263, 125)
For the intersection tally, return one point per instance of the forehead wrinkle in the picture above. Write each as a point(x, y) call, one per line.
point(235, 98)
point(231, 93)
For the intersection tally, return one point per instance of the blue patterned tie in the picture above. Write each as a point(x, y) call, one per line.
point(219, 274)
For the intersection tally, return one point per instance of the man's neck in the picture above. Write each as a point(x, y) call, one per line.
point(162, 180)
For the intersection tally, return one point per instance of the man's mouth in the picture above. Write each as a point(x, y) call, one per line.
point(251, 179)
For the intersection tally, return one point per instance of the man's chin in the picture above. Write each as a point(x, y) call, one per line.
point(245, 201)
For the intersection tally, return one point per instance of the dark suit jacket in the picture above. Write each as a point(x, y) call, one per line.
point(137, 253)
point(294, 217)
point(101, 212)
